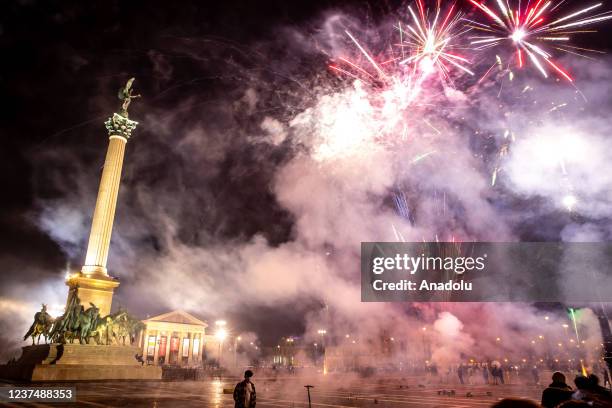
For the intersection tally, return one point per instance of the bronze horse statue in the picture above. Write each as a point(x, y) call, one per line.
point(106, 329)
point(41, 326)
point(83, 325)
point(120, 328)
point(86, 323)
point(75, 323)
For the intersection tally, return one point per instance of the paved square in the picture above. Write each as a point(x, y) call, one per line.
point(289, 392)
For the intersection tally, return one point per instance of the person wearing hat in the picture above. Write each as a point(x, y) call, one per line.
point(244, 393)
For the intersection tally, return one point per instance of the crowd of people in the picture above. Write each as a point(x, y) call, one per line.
point(490, 373)
point(588, 392)
point(495, 373)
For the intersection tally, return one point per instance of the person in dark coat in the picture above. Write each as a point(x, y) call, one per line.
point(557, 392)
point(535, 374)
point(498, 375)
point(460, 373)
point(244, 393)
point(494, 374)
point(595, 387)
point(515, 403)
point(600, 396)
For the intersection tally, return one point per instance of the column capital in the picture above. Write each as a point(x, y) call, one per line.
point(121, 126)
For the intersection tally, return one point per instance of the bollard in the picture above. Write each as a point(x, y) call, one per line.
point(308, 387)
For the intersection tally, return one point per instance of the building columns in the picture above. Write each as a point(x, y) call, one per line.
point(168, 339)
point(145, 344)
point(180, 350)
point(156, 354)
point(190, 355)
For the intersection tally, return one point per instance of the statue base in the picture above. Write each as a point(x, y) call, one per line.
point(95, 288)
point(78, 362)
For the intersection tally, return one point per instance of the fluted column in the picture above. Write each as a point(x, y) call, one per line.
point(168, 341)
point(145, 344)
point(157, 345)
point(94, 285)
point(119, 129)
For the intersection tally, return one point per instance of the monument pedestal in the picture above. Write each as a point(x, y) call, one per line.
point(97, 289)
point(78, 362)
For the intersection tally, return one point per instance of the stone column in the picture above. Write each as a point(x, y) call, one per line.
point(156, 354)
point(180, 350)
point(168, 341)
point(190, 355)
point(94, 283)
point(145, 344)
point(139, 338)
point(119, 131)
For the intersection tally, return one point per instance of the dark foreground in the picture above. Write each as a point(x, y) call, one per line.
point(289, 392)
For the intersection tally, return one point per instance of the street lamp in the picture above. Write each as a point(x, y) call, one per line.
point(565, 327)
point(322, 333)
point(236, 340)
point(221, 334)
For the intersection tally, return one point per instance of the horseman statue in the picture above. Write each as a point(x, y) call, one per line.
point(41, 326)
point(79, 324)
point(64, 326)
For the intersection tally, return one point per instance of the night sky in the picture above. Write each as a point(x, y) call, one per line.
point(62, 64)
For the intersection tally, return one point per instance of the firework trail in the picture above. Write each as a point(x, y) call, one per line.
point(393, 86)
point(432, 41)
point(394, 80)
point(427, 44)
point(534, 26)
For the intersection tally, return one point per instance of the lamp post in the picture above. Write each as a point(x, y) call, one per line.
point(308, 387)
point(322, 333)
point(236, 340)
point(289, 351)
point(221, 334)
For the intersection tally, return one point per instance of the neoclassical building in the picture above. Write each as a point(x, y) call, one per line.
point(175, 338)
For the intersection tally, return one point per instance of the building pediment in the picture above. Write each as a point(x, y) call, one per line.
point(177, 316)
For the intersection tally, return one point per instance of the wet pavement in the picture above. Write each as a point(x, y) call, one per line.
point(332, 391)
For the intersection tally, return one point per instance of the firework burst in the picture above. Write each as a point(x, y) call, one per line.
point(533, 28)
point(431, 39)
point(428, 43)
